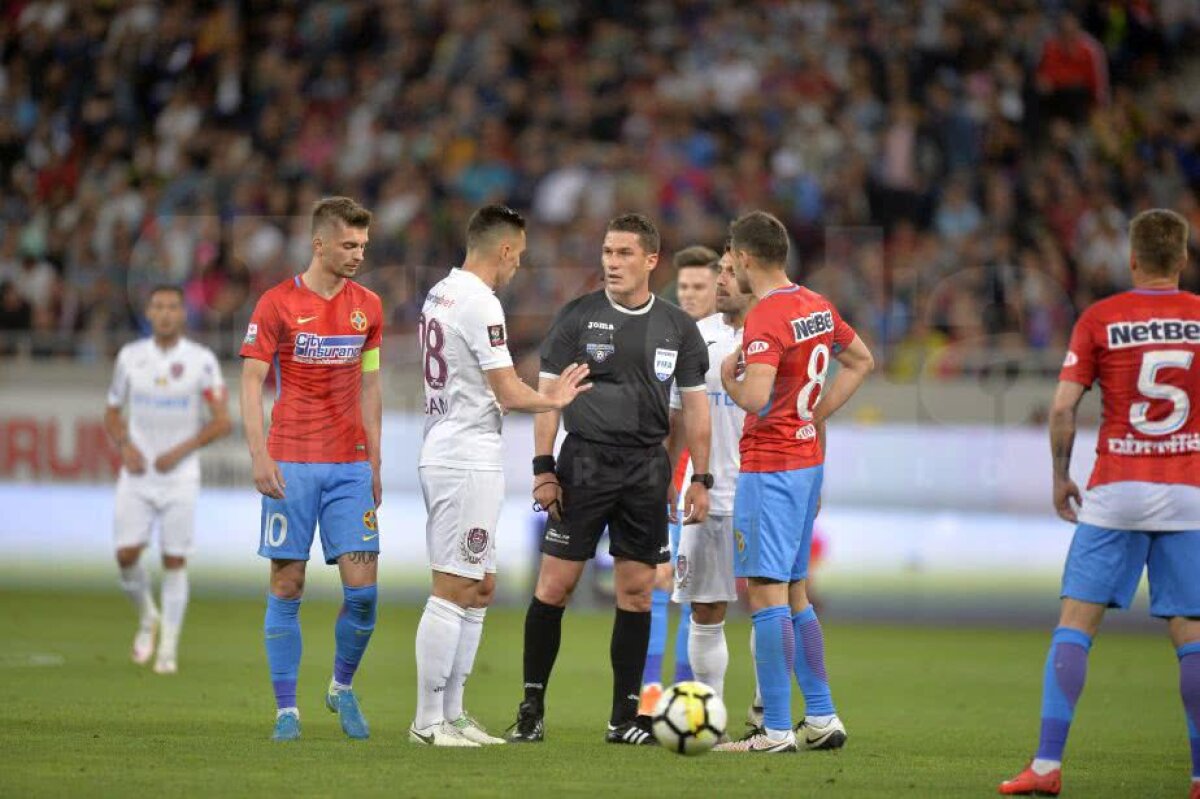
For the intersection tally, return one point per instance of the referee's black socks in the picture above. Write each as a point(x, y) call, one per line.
point(543, 633)
point(630, 639)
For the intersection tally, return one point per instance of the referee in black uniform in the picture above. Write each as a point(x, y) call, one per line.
point(613, 470)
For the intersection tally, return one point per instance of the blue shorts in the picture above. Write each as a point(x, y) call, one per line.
point(773, 515)
point(335, 495)
point(1104, 567)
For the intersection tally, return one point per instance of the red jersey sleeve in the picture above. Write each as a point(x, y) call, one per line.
point(1080, 364)
point(843, 334)
point(763, 342)
point(375, 331)
point(262, 334)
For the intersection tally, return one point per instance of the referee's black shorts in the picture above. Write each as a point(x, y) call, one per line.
point(621, 488)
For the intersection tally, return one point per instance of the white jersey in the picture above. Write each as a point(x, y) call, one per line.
point(462, 336)
point(725, 459)
point(166, 391)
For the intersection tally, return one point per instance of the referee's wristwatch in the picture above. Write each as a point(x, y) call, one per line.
point(705, 480)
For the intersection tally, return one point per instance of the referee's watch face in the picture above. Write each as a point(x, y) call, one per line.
point(627, 266)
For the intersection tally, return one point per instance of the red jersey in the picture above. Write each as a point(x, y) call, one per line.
point(316, 346)
point(1142, 346)
point(797, 331)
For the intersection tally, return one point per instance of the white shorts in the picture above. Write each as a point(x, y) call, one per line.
point(140, 503)
point(463, 508)
point(704, 565)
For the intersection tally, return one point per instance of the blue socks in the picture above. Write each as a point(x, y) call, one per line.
point(774, 649)
point(281, 631)
point(352, 633)
point(1189, 690)
point(652, 671)
point(809, 663)
point(683, 665)
point(1062, 683)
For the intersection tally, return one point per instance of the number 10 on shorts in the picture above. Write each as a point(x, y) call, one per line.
point(274, 530)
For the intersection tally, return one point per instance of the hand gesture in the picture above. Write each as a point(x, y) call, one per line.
point(132, 458)
point(547, 493)
point(729, 366)
point(569, 385)
point(167, 461)
point(695, 504)
point(1065, 490)
point(267, 477)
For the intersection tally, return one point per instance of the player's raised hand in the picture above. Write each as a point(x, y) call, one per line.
point(695, 504)
point(1064, 492)
point(132, 458)
point(267, 477)
point(547, 493)
point(569, 385)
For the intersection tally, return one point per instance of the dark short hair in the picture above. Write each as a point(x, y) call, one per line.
point(1158, 238)
point(342, 209)
point(640, 224)
point(491, 218)
point(697, 255)
point(761, 235)
point(169, 288)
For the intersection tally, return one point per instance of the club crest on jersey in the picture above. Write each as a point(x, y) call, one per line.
point(327, 350)
point(664, 363)
point(251, 334)
point(496, 335)
point(474, 545)
point(812, 325)
point(176, 370)
point(358, 320)
point(600, 352)
point(369, 521)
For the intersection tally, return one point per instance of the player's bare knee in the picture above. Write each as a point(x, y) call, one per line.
point(128, 556)
point(1079, 615)
point(173, 562)
point(553, 590)
point(1183, 630)
point(708, 612)
point(798, 596)
point(485, 592)
point(664, 577)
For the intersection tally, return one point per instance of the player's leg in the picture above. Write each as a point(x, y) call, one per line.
point(704, 582)
point(1102, 570)
point(633, 581)
point(765, 551)
point(133, 520)
point(350, 537)
point(660, 599)
point(1173, 563)
point(287, 528)
point(177, 522)
point(683, 656)
point(707, 648)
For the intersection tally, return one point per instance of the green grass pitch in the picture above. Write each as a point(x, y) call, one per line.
point(930, 712)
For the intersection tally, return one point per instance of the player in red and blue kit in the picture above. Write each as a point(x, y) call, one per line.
point(320, 333)
point(1141, 509)
point(791, 336)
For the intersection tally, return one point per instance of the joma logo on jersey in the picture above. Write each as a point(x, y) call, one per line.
point(1153, 331)
point(311, 348)
point(812, 325)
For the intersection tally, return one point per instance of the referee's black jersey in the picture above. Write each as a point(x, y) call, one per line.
point(633, 356)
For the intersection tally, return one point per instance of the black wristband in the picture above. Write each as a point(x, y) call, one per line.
point(543, 464)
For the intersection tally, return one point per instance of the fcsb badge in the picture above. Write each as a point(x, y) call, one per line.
point(358, 320)
point(369, 521)
point(741, 540)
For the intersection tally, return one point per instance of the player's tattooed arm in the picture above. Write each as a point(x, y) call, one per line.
point(1062, 442)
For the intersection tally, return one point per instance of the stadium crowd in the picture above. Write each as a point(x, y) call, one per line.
point(956, 174)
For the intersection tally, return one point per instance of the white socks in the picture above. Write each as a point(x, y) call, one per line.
point(709, 654)
point(438, 635)
point(1043, 767)
point(136, 585)
point(464, 659)
point(174, 605)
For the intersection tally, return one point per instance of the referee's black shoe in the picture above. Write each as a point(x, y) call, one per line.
point(528, 728)
point(636, 732)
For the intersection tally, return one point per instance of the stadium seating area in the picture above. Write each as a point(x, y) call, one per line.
point(958, 179)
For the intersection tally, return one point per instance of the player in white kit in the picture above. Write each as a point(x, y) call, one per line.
point(469, 384)
point(167, 382)
point(704, 566)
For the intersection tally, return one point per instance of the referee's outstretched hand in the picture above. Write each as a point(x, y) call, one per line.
point(568, 386)
point(695, 504)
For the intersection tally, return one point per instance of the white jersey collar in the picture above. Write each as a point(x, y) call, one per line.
point(638, 312)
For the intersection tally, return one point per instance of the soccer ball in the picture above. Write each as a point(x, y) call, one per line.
point(689, 718)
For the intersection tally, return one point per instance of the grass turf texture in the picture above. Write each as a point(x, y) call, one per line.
point(930, 712)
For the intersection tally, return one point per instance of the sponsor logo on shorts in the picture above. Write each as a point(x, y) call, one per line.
point(496, 335)
point(473, 545)
point(756, 347)
point(556, 536)
point(369, 520)
point(358, 320)
point(683, 568)
point(251, 334)
point(664, 363)
point(740, 539)
point(600, 352)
